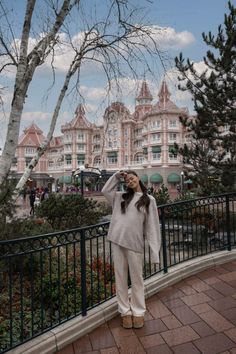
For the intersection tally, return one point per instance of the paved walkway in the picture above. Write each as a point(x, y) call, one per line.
point(197, 315)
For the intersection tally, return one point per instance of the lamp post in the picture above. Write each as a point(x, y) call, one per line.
point(82, 168)
point(182, 182)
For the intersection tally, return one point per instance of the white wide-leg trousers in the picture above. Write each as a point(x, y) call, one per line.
point(125, 259)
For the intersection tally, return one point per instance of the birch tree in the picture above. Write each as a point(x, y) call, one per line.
point(102, 43)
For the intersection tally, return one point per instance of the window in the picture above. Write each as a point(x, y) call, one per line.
point(68, 159)
point(172, 136)
point(126, 158)
point(115, 144)
point(144, 130)
point(138, 143)
point(97, 160)
point(50, 163)
point(172, 123)
point(68, 147)
point(80, 159)
point(138, 132)
point(96, 138)
point(68, 137)
point(80, 147)
point(96, 147)
point(156, 155)
point(155, 124)
point(126, 132)
point(139, 158)
point(172, 156)
point(80, 136)
point(115, 132)
point(156, 137)
point(30, 150)
point(110, 144)
point(172, 153)
point(112, 160)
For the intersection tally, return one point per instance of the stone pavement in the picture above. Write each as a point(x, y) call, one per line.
point(196, 315)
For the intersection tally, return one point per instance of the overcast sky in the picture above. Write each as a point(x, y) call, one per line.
point(181, 23)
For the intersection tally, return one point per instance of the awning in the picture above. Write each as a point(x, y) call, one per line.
point(156, 178)
point(156, 149)
point(144, 178)
point(80, 156)
point(173, 178)
point(61, 179)
point(112, 154)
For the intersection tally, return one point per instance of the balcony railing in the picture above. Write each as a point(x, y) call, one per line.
point(48, 279)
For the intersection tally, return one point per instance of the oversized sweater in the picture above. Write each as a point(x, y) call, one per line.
point(130, 228)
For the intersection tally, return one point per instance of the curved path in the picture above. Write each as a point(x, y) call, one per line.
point(196, 315)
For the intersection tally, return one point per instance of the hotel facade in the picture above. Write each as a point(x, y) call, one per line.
point(142, 141)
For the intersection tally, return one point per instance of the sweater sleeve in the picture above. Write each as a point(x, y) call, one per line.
point(110, 188)
point(152, 231)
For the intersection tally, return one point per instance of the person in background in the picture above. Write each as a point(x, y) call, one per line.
point(134, 217)
point(45, 194)
point(32, 196)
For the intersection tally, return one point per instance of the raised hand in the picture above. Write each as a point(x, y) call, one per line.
point(123, 174)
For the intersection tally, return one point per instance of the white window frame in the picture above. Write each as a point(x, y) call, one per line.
point(156, 156)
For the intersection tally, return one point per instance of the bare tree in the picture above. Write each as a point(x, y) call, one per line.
point(117, 38)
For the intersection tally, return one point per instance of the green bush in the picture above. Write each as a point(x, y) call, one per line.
point(18, 228)
point(162, 195)
point(69, 211)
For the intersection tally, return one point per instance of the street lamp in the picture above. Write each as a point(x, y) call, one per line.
point(82, 168)
point(182, 182)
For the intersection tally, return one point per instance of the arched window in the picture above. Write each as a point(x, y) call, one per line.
point(97, 160)
point(138, 158)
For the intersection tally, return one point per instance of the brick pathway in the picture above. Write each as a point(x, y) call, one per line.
point(197, 315)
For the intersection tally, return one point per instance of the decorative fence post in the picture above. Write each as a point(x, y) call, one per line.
point(228, 223)
point(83, 273)
point(163, 237)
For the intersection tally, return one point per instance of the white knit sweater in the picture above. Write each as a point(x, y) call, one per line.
point(129, 229)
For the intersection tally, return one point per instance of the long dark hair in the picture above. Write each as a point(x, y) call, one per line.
point(143, 201)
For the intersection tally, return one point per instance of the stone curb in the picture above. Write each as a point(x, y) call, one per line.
point(79, 326)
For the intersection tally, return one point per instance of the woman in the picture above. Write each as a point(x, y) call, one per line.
point(134, 217)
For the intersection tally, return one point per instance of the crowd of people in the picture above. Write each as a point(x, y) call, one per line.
point(35, 195)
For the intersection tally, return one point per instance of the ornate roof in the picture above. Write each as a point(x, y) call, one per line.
point(119, 108)
point(164, 99)
point(144, 93)
point(79, 120)
point(32, 136)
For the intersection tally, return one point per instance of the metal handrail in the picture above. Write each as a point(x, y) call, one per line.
point(48, 279)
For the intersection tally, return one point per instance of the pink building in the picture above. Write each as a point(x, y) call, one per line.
point(142, 141)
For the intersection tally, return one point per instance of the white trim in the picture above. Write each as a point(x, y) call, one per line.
point(67, 333)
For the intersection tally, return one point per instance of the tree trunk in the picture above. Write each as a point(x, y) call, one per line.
point(43, 147)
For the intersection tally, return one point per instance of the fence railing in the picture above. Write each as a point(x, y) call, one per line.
point(48, 279)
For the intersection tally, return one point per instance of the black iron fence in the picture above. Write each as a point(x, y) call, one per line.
point(48, 279)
